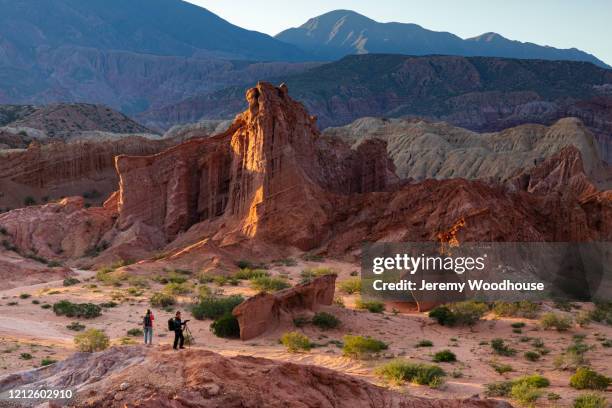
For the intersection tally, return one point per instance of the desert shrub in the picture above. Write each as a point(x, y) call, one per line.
point(424, 343)
point(128, 341)
point(532, 355)
point(214, 307)
point(300, 321)
point(35, 302)
point(285, 262)
point(525, 394)
point(46, 306)
point(444, 356)
point(174, 288)
point(461, 313)
point(534, 380)
point(161, 299)
point(135, 332)
point(361, 347)
point(498, 389)
point(296, 342)
point(501, 368)
point(71, 281)
point(588, 379)
point(400, 371)
point(311, 273)
point(372, 306)
point(83, 310)
point(602, 312)
point(28, 201)
point(523, 308)
point(47, 361)
point(176, 278)
point(325, 321)
point(350, 286)
point(76, 326)
point(109, 305)
point(138, 282)
point(134, 291)
point(54, 264)
point(583, 318)
point(24, 296)
point(590, 401)
point(518, 325)
point(501, 348)
point(91, 340)
point(12, 303)
point(556, 321)
point(25, 356)
point(226, 326)
point(269, 284)
point(247, 273)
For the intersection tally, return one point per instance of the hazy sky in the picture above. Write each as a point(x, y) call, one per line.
point(584, 24)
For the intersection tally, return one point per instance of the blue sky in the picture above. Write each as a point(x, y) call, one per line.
point(584, 24)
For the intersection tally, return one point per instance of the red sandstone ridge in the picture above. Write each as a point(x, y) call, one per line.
point(203, 379)
point(273, 181)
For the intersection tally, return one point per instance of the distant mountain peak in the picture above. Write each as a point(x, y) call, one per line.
point(343, 32)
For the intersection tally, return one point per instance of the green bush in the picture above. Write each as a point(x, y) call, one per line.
point(521, 385)
point(518, 325)
point(296, 342)
point(525, 394)
point(215, 307)
point(350, 286)
point(501, 368)
point(135, 332)
point(602, 312)
point(76, 326)
point(91, 340)
point(46, 306)
point(71, 281)
point(590, 401)
point(401, 371)
point(325, 321)
point(523, 308)
point(534, 380)
point(553, 320)
point(174, 288)
point(83, 310)
point(226, 326)
point(372, 306)
point(498, 389)
point(311, 273)
point(461, 313)
point(444, 356)
point(501, 348)
point(176, 278)
point(587, 379)
point(362, 347)
point(47, 361)
point(160, 299)
point(247, 273)
point(269, 284)
point(24, 296)
point(424, 343)
point(25, 356)
point(532, 355)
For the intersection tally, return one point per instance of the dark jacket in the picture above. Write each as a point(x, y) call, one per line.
point(178, 324)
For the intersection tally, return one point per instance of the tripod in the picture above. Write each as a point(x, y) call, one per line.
point(189, 335)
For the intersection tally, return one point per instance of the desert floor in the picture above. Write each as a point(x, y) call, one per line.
point(26, 327)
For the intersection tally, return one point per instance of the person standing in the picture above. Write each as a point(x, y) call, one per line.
point(179, 339)
point(147, 324)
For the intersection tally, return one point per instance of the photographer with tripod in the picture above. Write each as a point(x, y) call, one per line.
point(177, 325)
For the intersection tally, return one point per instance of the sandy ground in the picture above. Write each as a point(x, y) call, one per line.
point(26, 327)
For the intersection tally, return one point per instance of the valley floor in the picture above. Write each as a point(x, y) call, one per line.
point(30, 333)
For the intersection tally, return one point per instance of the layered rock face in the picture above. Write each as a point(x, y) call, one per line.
point(62, 169)
point(422, 150)
point(196, 378)
point(265, 311)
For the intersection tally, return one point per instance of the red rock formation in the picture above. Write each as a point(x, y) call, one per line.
point(265, 311)
point(62, 230)
point(198, 378)
point(63, 169)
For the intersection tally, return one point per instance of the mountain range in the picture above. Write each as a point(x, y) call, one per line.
point(343, 32)
point(138, 55)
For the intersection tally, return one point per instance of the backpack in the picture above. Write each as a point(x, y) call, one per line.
point(148, 322)
point(171, 324)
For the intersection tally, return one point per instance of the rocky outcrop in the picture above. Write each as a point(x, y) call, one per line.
point(61, 230)
point(265, 311)
point(198, 378)
point(422, 149)
point(17, 270)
